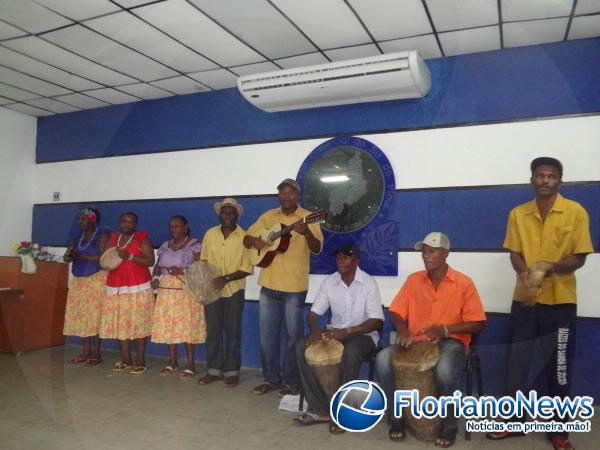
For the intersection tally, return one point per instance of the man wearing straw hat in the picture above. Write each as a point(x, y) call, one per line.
point(222, 247)
point(284, 284)
point(442, 305)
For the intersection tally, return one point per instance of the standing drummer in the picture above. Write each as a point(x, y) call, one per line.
point(356, 314)
point(442, 305)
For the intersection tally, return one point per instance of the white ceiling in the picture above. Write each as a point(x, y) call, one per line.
point(60, 56)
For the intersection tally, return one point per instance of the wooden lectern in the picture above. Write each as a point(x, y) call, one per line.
point(32, 311)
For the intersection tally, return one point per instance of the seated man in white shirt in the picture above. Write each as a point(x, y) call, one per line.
point(356, 315)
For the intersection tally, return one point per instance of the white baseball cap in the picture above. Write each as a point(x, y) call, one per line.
point(435, 239)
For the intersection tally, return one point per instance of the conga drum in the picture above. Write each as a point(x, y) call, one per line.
point(325, 358)
point(413, 369)
point(110, 259)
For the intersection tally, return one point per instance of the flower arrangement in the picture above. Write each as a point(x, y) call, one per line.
point(34, 250)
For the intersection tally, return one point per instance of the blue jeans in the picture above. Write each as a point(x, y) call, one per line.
point(279, 311)
point(447, 373)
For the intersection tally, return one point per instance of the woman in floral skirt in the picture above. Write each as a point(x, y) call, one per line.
point(178, 319)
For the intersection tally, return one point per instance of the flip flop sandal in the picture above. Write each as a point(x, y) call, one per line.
point(498, 436)
point(309, 419)
point(449, 436)
point(78, 360)
point(396, 434)
point(560, 443)
point(263, 388)
point(121, 367)
point(168, 370)
point(208, 378)
point(93, 361)
point(288, 390)
point(138, 370)
point(334, 429)
point(186, 374)
point(232, 381)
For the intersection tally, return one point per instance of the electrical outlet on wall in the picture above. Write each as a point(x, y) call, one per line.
point(56, 196)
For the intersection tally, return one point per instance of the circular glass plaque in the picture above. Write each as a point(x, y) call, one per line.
point(346, 179)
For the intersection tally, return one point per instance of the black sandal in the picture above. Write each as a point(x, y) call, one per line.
point(446, 435)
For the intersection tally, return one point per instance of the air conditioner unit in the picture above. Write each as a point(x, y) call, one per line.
point(386, 77)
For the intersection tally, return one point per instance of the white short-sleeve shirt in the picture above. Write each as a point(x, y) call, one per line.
point(350, 305)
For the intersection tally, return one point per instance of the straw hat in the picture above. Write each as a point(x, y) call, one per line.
point(228, 201)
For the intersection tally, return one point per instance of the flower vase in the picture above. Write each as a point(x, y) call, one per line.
point(28, 264)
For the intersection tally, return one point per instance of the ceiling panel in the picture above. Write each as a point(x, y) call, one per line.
point(310, 59)
point(79, 10)
point(456, 14)
point(4, 101)
point(360, 51)
point(585, 27)
point(135, 33)
point(52, 105)
point(56, 56)
point(14, 78)
point(16, 93)
point(470, 41)
point(82, 101)
point(385, 20)
point(180, 85)
point(30, 16)
point(27, 109)
point(216, 79)
point(190, 26)
point(535, 9)
point(8, 31)
point(109, 53)
point(255, 68)
point(133, 3)
point(14, 60)
point(587, 7)
point(427, 46)
point(145, 91)
point(110, 95)
point(517, 34)
point(256, 22)
point(329, 23)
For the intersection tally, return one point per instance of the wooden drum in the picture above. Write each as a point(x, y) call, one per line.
point(325, 358)
point(413, 368)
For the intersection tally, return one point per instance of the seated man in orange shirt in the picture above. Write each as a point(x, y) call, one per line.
point(442, 305)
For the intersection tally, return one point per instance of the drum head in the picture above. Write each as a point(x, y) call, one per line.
point(110, 259)
point(419, 356)
point(198, 282)
point(324, 352)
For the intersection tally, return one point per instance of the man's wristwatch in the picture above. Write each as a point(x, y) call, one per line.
point(227, 278)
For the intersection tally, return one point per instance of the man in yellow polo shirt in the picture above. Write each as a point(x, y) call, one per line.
point(549, 234)
point(222, 247)
point(284, 286)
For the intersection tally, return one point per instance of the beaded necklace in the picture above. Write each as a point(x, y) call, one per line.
point(178, 245)
point(126, 243)
point(83, 247)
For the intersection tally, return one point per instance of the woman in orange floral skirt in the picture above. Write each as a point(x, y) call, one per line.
point(178, 319)
point(88, 287)
point(128, 307)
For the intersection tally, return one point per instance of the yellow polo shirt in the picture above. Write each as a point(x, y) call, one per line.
point(227, 255)
point(289, 270)
point(565, 231)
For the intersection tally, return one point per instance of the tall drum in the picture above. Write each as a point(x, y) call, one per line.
point(325, 358)
point(413, 368)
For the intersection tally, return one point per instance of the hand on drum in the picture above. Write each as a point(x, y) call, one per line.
point(314, 337)
point(434, 332)
point(123, 254)
point(219, 282)
point(404, 338)
point(335, 333)
point(175, 270)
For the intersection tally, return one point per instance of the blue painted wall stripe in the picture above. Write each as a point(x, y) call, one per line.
point(474, 218)
point(536, 81)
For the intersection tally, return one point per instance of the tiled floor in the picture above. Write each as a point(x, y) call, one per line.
point(47, 404)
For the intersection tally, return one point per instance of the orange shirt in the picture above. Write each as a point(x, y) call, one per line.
point(455, 301)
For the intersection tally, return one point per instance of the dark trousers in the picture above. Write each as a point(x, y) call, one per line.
point(356, 350)
point(224, 319)
point(553, 326)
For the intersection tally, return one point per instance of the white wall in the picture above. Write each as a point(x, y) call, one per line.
point(17, 167)
point(446, 157)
